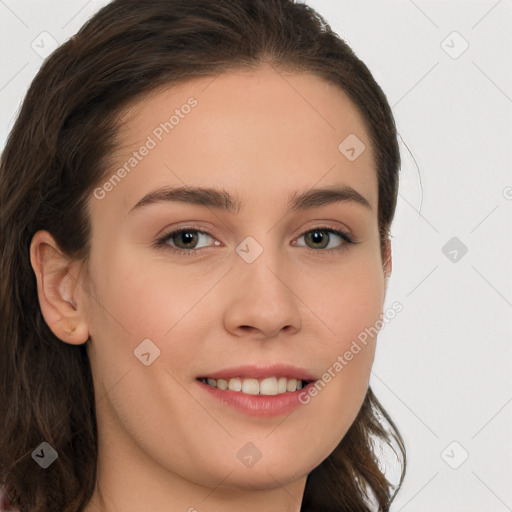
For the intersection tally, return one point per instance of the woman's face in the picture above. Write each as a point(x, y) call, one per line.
point(268, 285)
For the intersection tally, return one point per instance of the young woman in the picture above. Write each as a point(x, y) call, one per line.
point(196, 204)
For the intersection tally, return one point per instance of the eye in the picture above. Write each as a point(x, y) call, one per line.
point(183, 240)
point(322, 236)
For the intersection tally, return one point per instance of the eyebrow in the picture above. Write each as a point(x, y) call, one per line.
point(221, 199)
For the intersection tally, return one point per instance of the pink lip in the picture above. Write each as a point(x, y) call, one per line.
point(261, 406)
point(261, 372)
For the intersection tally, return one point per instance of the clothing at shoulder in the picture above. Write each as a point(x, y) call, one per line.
point(5, 504)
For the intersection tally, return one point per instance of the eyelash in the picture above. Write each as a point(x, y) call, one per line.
point(161, 242)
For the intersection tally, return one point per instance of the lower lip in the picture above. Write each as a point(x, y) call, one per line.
point(262, 406)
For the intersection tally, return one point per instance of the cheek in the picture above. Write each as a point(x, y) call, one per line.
point(350, 308)
point(145, 294)
point(141, 300)
point(348, 301)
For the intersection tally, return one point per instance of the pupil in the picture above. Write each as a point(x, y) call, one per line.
point(187, 235)
point(316, 235)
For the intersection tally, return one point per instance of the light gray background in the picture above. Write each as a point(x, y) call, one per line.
point(443, 365)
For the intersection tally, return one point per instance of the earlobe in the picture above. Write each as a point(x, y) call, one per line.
point(57, 289)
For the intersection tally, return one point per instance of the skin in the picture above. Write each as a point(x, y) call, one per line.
point(163, 443)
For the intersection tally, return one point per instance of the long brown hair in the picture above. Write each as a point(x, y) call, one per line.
point(57, 153)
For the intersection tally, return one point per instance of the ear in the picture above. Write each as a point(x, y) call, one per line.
point(58, 289)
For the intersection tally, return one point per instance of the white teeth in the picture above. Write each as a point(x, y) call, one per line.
point(235, 384)
point(269, 386)
point(291, 385)
point(250, 386)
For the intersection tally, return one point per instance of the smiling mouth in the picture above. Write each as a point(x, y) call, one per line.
point(268, 386)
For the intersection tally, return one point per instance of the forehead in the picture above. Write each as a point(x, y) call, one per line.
point(258, 133)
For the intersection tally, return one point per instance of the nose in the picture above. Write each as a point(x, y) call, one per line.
point(262, 302)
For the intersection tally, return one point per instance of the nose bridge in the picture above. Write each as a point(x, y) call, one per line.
point(261, 265)
point(263, 299)
point(263, 255)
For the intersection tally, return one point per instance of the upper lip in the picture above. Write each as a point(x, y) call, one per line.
point(261, 372)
